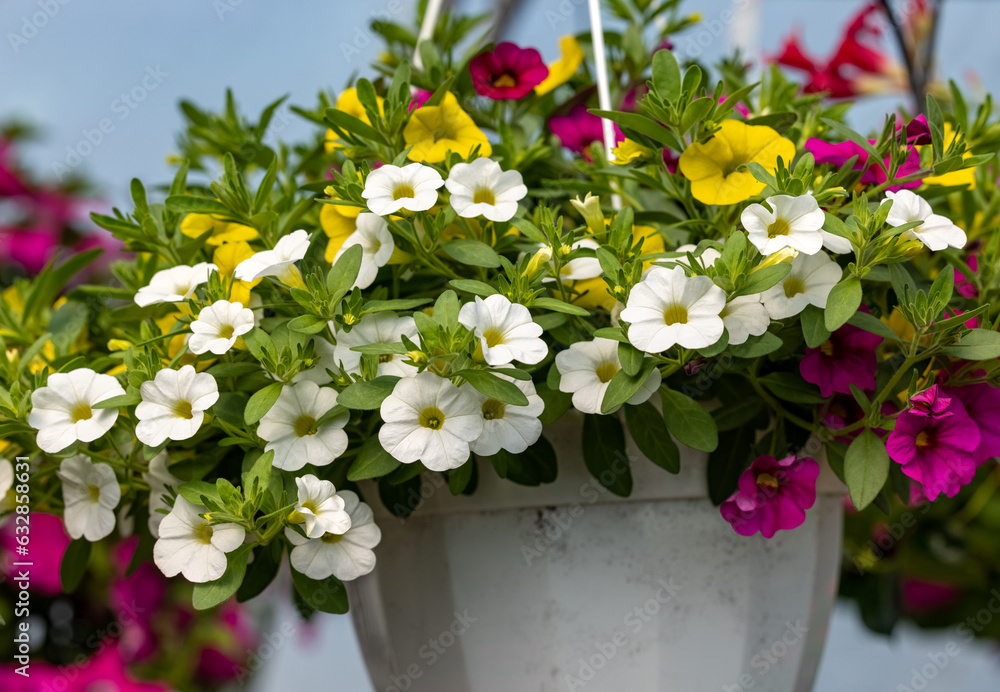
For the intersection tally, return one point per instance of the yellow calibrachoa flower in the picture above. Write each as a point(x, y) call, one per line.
point(629, 151)
point(565, 67)
point(338, 222)
point(196, 225)
point(349, 102)
point(711, 167)
point(433, 131)
point(966, 176)
point(226, 257)
point(595, 291)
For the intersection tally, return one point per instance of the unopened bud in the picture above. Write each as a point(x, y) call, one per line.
point(782, 256)
point(538, 262)
point(119, 345)
point(590, 209)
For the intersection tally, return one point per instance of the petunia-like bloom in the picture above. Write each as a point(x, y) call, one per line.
point(173, 405)
point(345, 556)
point(505, 426)
point(289, 427)
point(174, 285)
point(90, 493)
point(935, 441)
point(505, 331)
point(429, 419)
point(62, 411)
point(433, 131)
point(795, 222)
point(838, 154)
point(982, 403)
point(197, 225)
point(349, 102)
point(158, 477)
point(565, 67)
point(711, 166)
point(413, 188)
point(846, 358)
point(773, 495)
point(482, 188)
point(507, 72)
point(377, 328)
point(936, 232)
point(579, 129)
point(808, 283)
point(376, 243)
point(669, 308)
point(744, 316)
point(218, 327)
point(190, 546)
point(320, 507)
point(279, 262)
point(338, 221)
point(586, 368)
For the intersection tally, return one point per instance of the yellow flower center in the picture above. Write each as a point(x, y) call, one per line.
point(311, 506)
point(432, 417)
point(204, 533)
point(493, 409)
point(493, 337)
point(403, 191)
point(95, 492)
point(183, 409)
point(226, 331)
point(768, 480)
point(385, 358)
point(923, 439)
point(793, 287)
point(675, 314)
point(826, 348)
point(504, 80)
point(779, 227)
point(304, 426)
point(484, 196)
point(606, 372)
point(331, 538)
point(82, 412)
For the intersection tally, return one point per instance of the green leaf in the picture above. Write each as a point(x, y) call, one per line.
point(459, 479)
point(630, 358)
point(472, 252)
point(307, 324)
point(352, 125)
point(196, 492)
point(976, 344)
point(866, 468)
point(258, 476)
point(873, 325)
point(650, 434)
point(639, 123)
point(737, 413)
point(477, 288)
point(687, 421)
point(261, 571)
point(326, 596)
point(726, 463)
point(843, 302)
point(261, 402)
point(604, 453)
point(344, 272)
point(446, 309)
point(757, 346)
point(763, 279)
point(191, 204)
point(935, 123)
point(488, 384)
point(398, 304)
point(559, 306)
point(233, 369)
point(813, 326)
point(791, 387)
point(623, 387)
point(130, 399)
point(372, 461)
point(666, 76)
point(52, 279)
point(74, 564)
point(367, 396)
point(213, 593)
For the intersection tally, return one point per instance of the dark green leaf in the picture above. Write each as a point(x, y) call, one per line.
point(261, 402)
point(326, 596)
point(843, 302)
point(213, 593)
point(372, 461)
point(650, 434)
point(604, 453)
point(688, 421)
point(472, 252)
point(74, 564)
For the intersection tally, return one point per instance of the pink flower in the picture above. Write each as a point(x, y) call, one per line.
point(49, 541)
point(29, 247)
point(507, 72)
point(418, 98)
point(965, 286)
point(838, 154)
point(923, 596)
point(846, 358)
point(935, 441)
point(772, 495)
point(982, 403)
point(917, 130)
point(108, 671)
point(579, 129)
point(222, 663)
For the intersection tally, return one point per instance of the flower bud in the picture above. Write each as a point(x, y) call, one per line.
point(119, 345)
point(782, 256)
point(590, 209)
point(538, 262)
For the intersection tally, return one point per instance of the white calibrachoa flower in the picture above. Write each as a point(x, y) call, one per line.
point(429, 419)
point(376, 243)
point(482, 188)
point(174, 285)
point(345, 556)
point(391, 188)
point(669, 307)
point(506, 426)
point(173, 405)
point(188, 545)
point(745, 316)
point(586, 368)
point(62, 411)
point(90, 494)
point(279, 262)
point(505, 331)
point(377, 328)
point(158, 477)
point(936, 232)
point(320, 507)
point(288, 427)
point(794, 222)
point(808, 283)
point(218, 326)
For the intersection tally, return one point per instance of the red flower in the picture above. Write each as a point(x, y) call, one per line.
point(508, 72)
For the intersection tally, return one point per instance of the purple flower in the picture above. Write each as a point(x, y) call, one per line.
point(964, 285)
point(772, 495)
point(982, 403)
point(846, 358)
point(579, 129)
point(935, 441)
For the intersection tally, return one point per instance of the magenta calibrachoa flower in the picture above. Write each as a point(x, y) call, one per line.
point(846, 358)
point(579, 129)
point(936, 442)
point(507, 72)
point(773, 495)
point(982, 403)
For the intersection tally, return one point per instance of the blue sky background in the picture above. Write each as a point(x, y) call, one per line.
point(72, 70)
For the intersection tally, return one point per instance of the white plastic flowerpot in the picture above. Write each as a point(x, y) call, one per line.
point(565, 587)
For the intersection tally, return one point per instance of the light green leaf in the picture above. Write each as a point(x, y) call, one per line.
point(688, 421)
point(866, 468)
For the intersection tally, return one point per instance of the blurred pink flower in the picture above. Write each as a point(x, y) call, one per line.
point(838, 154)
point(579, 129)
point(49, 541)
point(773, 495)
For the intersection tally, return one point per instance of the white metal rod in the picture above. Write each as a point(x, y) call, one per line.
point(427, 29)
point(603, 84)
